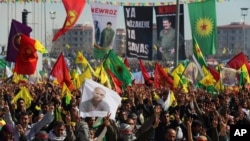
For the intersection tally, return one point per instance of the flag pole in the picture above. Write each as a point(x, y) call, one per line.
point(177, 27)
point(106, 56)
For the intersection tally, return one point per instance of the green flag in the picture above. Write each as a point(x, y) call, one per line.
point(113, 63)
point(203, 25)
point(3, 64)
point(198, 53)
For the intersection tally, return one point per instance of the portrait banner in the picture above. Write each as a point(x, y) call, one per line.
point(98, 100)
point(191, 72)
point(166, 33)
point(105, 24)
point(229, 76)
point(138, 22)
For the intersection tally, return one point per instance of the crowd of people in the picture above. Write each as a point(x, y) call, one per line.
point(193, 116)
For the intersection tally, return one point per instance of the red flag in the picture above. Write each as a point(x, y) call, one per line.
point(61, 72)
point(117, 83)
point(27, 57)
point(237, 61)
point(126, 63)
point(161, 78)
point(215, 74)
point(74, 10)
point(144, 72)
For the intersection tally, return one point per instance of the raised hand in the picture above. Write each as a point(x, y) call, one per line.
point(106, 121)
point(20, 129)
point(6, 106)
point(156, 122)
point(189, 122)
point(68, 118)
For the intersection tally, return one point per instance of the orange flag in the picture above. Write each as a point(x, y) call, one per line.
point(61, 72)
point(74, 10)
point(161, 78)
point(27, 57)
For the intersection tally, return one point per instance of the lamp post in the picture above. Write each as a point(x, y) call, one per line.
point(52, 17)
point(244, 12)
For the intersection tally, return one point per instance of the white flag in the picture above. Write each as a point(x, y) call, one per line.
point(98, 100)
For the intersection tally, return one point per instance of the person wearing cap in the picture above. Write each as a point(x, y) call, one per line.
point(41, 136)
point(126, 131)
point(6, 134)
point(24, 128)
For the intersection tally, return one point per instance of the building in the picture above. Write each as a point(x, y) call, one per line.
point(233, 39)
point(78, 38)
point(119, 44)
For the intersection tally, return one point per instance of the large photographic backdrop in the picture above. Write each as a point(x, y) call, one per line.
point(166, 38)
point(138, 22)
point(104, 21)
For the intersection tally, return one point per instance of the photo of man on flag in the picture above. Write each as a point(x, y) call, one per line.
point(98, 100)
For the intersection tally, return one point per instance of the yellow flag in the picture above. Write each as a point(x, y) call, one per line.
point(179, 69)
point(208, 80)
point(85, 74)
point(18, 77)
point(80, 59)
point(15, 78)
point(243, 68)
point(176, 79)
point(155, 47)
point(39, 47)
point(102, 75)
point(156, 96)
point(166, 69)
point(25, 94)
point(219, 86)
point(224, 51)
point(76, 79)
point(205, 70)
point(173, 101)
point(67, 46)
point(66, 93)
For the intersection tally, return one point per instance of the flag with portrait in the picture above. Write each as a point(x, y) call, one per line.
point(104, 20)
point(229, 76)
point(89, 109)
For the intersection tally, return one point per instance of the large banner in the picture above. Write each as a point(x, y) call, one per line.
point(98, 100)
point(104, 21)
point(138, 22)
point(166, 33)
